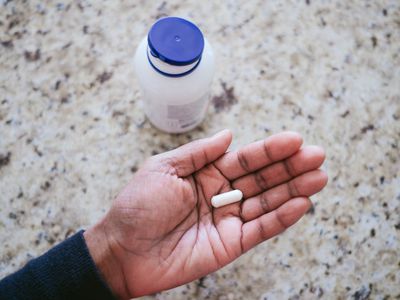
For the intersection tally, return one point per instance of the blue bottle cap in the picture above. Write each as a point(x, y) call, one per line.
point(176, 41)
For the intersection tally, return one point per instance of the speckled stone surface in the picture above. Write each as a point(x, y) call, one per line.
point(72, 130)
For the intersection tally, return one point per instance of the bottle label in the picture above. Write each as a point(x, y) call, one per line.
point(178, 117)
point(186, 115)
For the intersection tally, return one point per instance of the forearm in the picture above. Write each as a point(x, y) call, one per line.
point(102, 250)
point(65, 272)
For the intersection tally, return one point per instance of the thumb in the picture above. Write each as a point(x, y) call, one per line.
point(193, 156)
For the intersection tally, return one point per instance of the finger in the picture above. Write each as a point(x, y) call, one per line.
point(307, 185)
point(191, 157)
point(273, 223)
point(307, 159)
point(259, 154)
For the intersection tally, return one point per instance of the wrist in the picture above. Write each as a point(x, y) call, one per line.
point(101, 250)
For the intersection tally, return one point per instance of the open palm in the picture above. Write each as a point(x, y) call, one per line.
point(163, 230)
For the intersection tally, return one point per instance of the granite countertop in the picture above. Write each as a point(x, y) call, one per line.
point(72, 130)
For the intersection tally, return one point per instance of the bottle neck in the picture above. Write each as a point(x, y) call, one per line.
point(168, 69)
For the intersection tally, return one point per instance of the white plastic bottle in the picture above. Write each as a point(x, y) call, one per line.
point(175, 66)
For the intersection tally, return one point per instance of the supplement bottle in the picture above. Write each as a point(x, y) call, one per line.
point(174, 65)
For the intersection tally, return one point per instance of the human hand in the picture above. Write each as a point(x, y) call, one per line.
point(162, 231)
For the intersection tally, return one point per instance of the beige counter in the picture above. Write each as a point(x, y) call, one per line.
point(72, 130)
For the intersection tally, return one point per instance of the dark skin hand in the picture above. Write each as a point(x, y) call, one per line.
point(162, 231)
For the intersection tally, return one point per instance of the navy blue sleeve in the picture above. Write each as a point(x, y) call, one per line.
point(66, 271)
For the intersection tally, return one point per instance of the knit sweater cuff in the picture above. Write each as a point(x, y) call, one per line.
point(66, 271)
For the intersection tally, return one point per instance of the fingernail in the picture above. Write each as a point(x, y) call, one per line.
point(221, 133)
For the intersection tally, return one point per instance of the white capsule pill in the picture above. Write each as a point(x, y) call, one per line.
point(226, 198)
